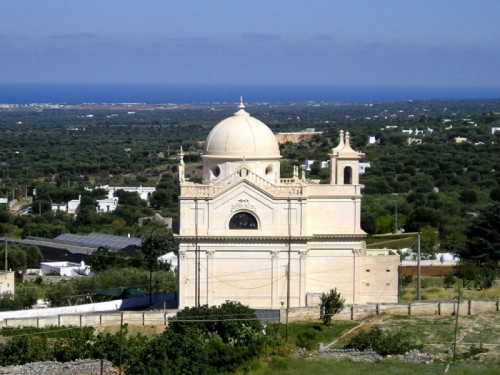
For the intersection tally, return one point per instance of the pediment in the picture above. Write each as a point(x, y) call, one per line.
point(244, 196)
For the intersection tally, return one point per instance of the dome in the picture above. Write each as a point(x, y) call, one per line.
point(241, 136)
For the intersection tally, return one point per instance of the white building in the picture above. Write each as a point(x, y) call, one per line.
point(363, 167)
point(7, 282)
point(107, 205)
point(64, 268)
point(143, 191)
point(74, 206)
point(247, 234)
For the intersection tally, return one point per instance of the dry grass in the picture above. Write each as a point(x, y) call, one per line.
point(435, 291)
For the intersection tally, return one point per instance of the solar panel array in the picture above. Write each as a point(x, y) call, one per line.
point(96, 240)
point(52, 243)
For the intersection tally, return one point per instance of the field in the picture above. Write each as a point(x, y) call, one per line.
point(433, 289)
point(324, 366)
point(436, 333)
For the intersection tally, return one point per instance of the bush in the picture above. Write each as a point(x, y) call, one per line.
point(406, 280)
point(384, 342)
point(331, 303)
point(449, 280)
point(203, 340)
point(307, 339)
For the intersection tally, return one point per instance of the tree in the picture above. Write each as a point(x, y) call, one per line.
point(385, 224)
point(203, 340)
point(472, 273)
point(421, 217)
point(155, 244)
point(16, 258)
point(429, 238)
point(483, 238)
point(468, 196)
point(103, 259)
point(160, 198)
point(33, 256)
point(495, 194)
point(331, 304)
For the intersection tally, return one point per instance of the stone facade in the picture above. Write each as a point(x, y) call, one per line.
point(247, 234)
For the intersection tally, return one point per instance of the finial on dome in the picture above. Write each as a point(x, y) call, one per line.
point(340, 146)
point(347, 139)
point(241, 106)
point(182, 177)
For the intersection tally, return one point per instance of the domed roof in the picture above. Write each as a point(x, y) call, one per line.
point(241, 136)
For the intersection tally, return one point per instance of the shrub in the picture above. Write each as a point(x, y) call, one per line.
point(279, 363)
point(306, 339)
point(449, 280)
point(331, 304)
point(406, 280)
point(384, 342)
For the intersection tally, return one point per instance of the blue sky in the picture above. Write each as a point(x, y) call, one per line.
point(350, 42)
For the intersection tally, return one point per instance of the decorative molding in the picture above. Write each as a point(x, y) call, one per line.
point(275, 254)
point(243, 204)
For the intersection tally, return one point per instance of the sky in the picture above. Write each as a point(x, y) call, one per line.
point(292, 42)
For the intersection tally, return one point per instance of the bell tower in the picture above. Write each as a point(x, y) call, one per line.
point(344, 162)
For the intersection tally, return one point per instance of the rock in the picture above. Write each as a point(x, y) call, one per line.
point(81, 367)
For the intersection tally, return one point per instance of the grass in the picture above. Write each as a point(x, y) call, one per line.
point(51, 331)
point(324, 334)
point(433, 289)
point(301, 366)
point(435, 332)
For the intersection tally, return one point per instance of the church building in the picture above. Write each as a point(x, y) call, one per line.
point(248, 235)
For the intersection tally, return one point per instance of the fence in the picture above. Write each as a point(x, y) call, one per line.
point(350, 312)
point(359, 312)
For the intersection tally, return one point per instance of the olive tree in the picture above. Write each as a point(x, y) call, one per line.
point(331, 303)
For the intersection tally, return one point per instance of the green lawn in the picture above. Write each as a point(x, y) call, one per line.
point(345, 367)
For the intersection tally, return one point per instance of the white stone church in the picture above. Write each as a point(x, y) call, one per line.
point(248, 235)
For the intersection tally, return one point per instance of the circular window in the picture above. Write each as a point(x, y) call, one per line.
point(216, 170)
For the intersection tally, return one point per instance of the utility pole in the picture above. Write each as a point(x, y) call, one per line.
point(396, 221)
point(196, 257)
point(456, 323)
point(5, 239)
point(288, 267)
point(419, 281)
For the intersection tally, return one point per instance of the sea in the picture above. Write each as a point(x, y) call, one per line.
point(77, 93)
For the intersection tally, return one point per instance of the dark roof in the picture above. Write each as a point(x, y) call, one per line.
point(116, 293)
point(84, 245)
point(96, 240)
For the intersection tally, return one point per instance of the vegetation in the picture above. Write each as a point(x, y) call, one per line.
point(384, 342)
point(331, 303)
point(51, 155)
point(432, 184)
point(299, 366)
point(208, 340)
point(229, 339)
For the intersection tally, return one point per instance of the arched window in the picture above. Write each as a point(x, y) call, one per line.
point(243, 220)
point(215, 170)
point(269, 171)
point(347, 175)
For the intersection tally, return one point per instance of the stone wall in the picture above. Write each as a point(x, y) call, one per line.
point(350, 312)
point(358, 312)
point(94, 319)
